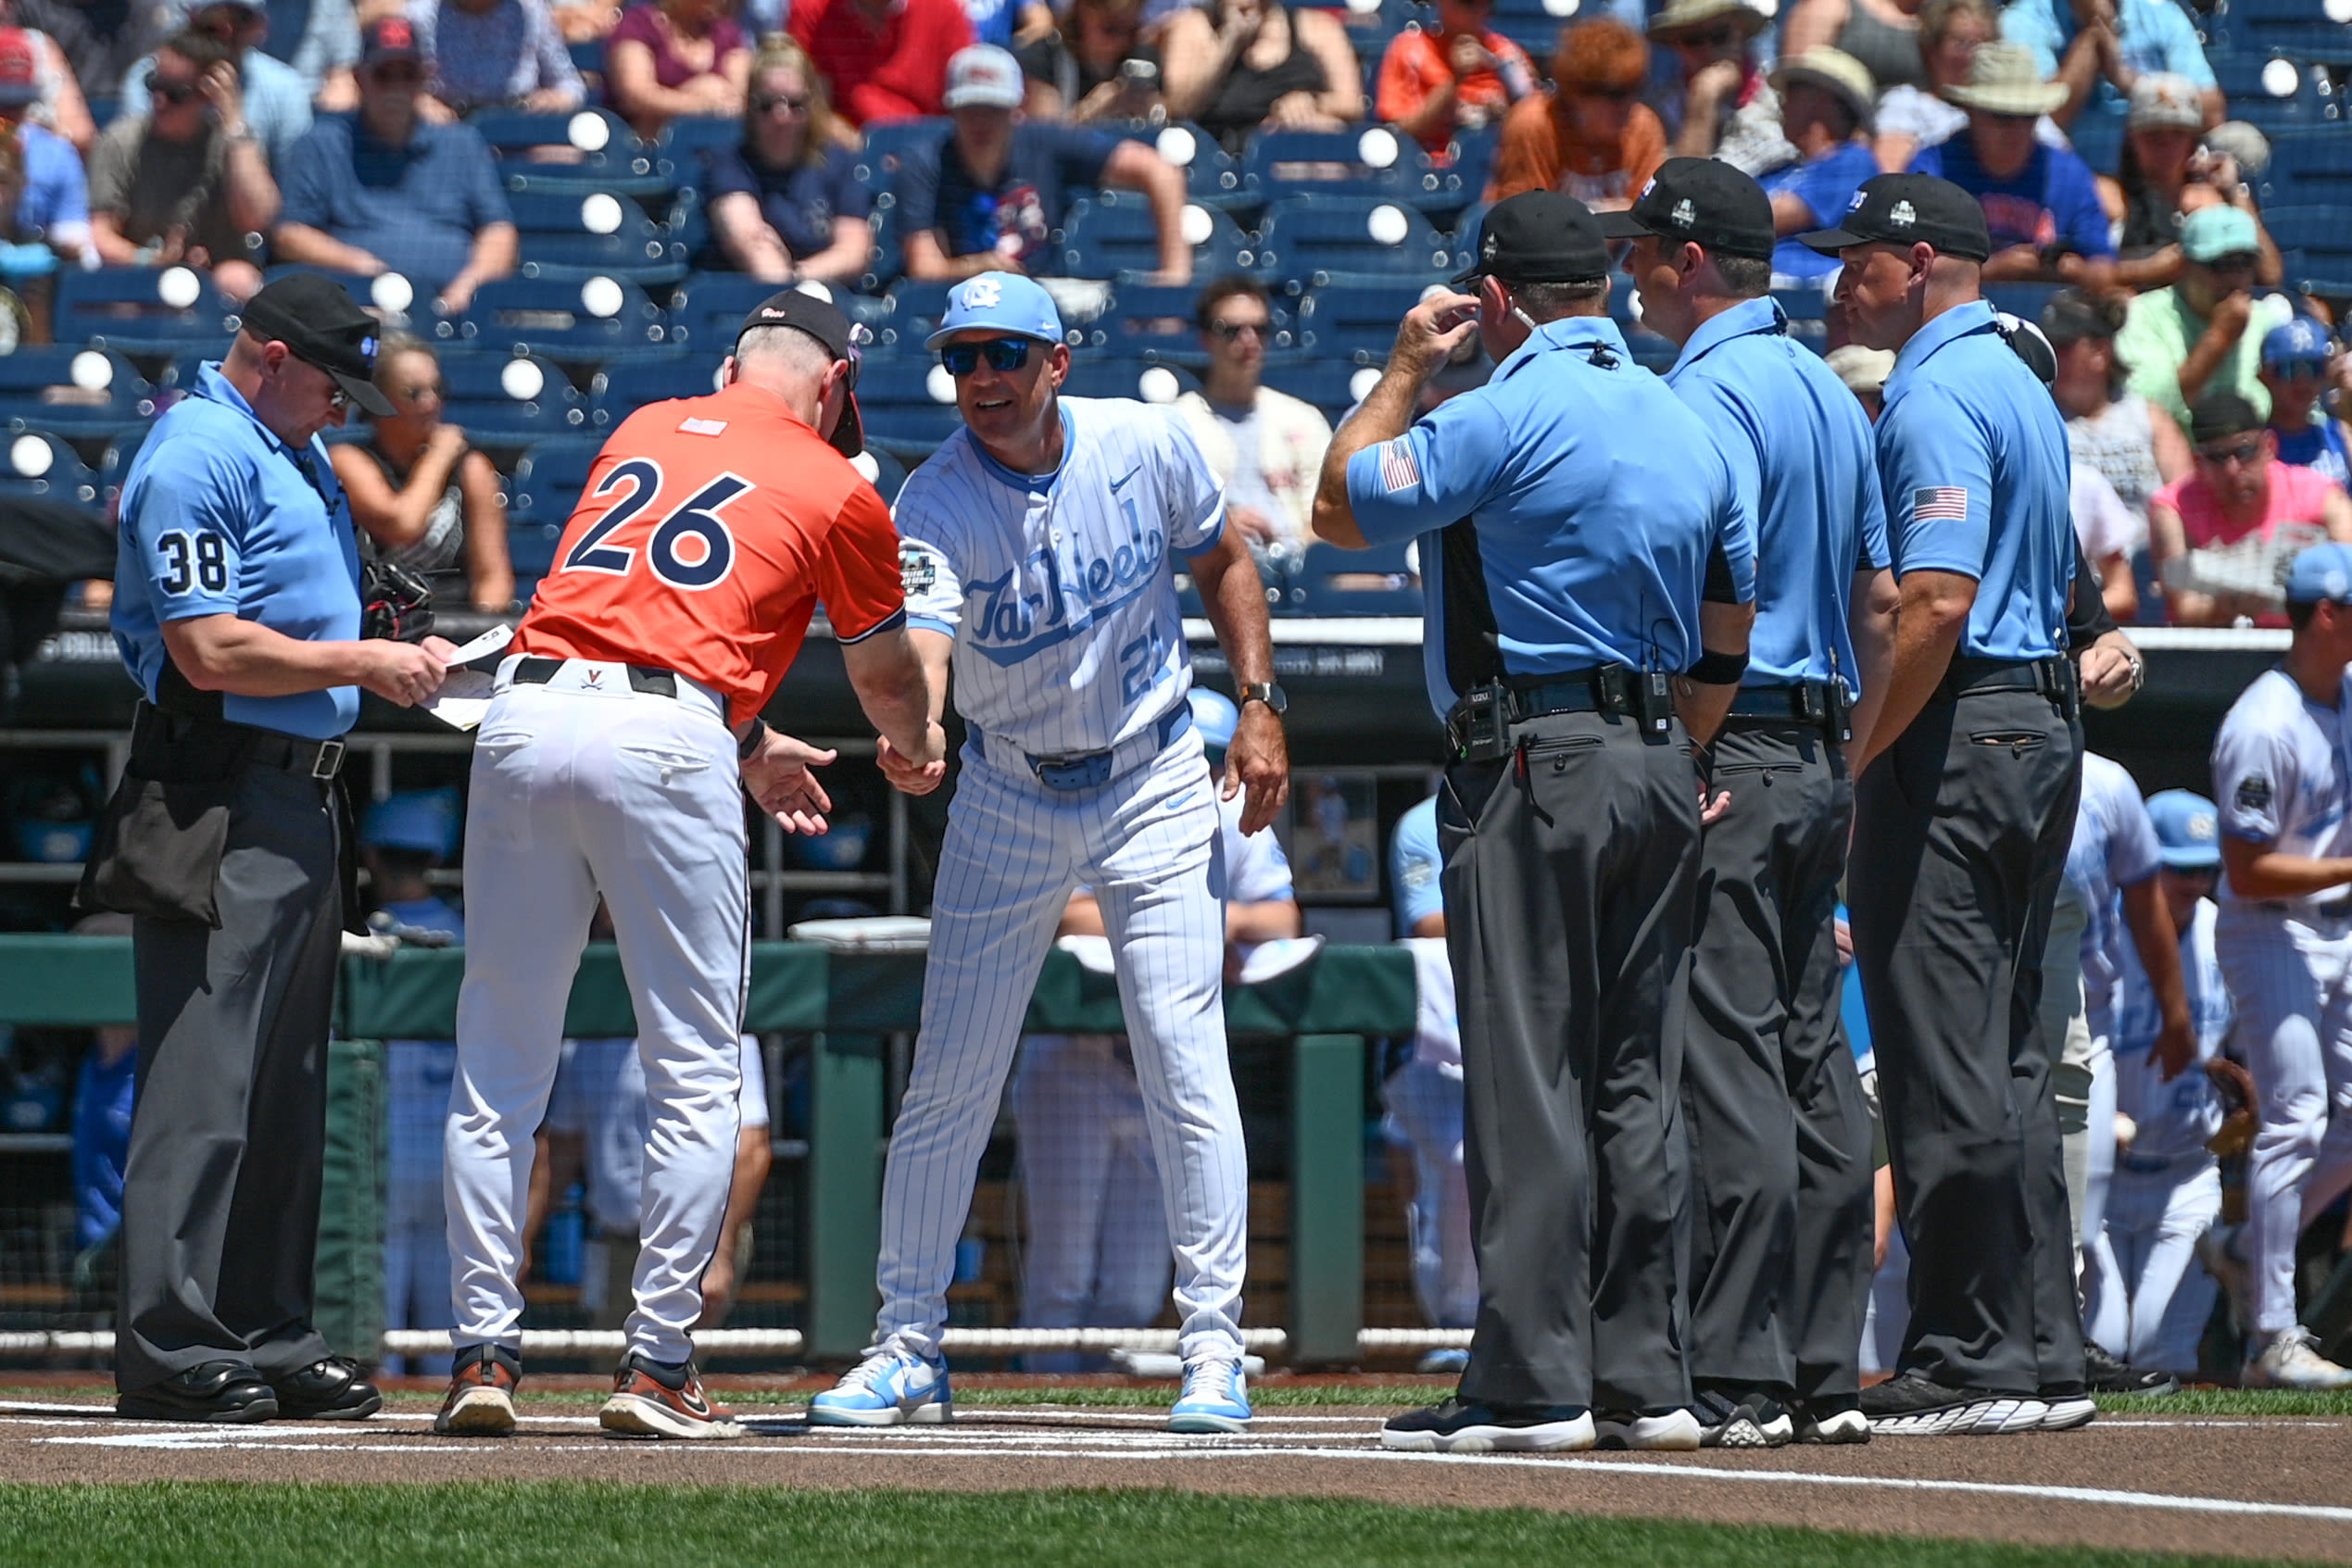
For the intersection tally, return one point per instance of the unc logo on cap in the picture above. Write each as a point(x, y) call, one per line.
point(2201, 825)
point(1859, 198)
point(982, 294)
point(368, 349)
point(1685, 214)
point(1901, 216)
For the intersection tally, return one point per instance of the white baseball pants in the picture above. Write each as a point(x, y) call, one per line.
point(2152, 1296)
point(416, 1217)
point(1096, 1254)
point(1425, 1101)
point(582, 787)
point(1147, 842)
point(2292, 986)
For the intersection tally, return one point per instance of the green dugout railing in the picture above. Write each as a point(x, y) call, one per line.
point(849, 1003)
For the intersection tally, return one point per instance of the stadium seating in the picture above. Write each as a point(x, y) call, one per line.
point(613, 396)
point(547, 487)
point(1371, 161)
point(72, 390)
point(578, 234)
point(588, 149)
point(1335, 581)
point(1210, 177)
point(689, 143)
point(888, 241)
point(596, 320)
point(2273, 92)
point(889, 475)
point(2317, 245)
point(506, 402)
point(908, 403)
point(1100, 376)
point(1355, 321)
point(2307, 167)
point(1534, 25)
point(37, 462)
point(887, 145)
point(1309, 241)
point(394, 294)
point(1112, 231)
point(1332, 385)
point(141, 311)
point(2309, 30)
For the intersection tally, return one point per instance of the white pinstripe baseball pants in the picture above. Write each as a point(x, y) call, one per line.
point(1147, 842)
point(2292, 986)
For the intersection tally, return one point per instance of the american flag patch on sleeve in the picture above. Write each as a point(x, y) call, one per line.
point(1398, 470)
point(1940, 502)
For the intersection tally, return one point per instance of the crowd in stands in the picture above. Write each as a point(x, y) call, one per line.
point(2186, 248)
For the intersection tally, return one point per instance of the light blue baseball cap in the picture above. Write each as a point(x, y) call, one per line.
point(1215, 715)
point(2188, 830)
point(1001, 302)
point(424, 821)
point(2300, 341)
point(2324, 571)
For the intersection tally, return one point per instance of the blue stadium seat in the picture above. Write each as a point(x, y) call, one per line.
point(1367, 161)
point(72, 390)
point(889, 143)
point(1111, 233)
point(2300, 28)
point(613, 396)
point(1332, 581)
point(889, 475)
point(1355, 321)
point(2024, 300)
point(1153, 320)
point(1310, 240)
point(578, 234)
point(689, 143)
point(509, 402)
point(2098, 139)
point(547, 482)
point(39, 462)
point(141, 310)
point(1095, 375)
point(710, 308)
point(2307, 166)
point(2317, 242)
point(588, 148)
point(392, 294)
point(908, 403)
point(1534, 25)
point(588, 57)
point(2273, 92)
point(1332, 385)
point(1210, 177)
point(597, 320)
point(915, 308)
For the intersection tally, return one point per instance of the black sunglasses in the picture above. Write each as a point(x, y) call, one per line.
point(768, 103)
point(2237, 261)
point(1228, 331)
point(2299, 369)
point(2244, 451)
point(172, 92)
point(1714, 38)
point(1002, 352)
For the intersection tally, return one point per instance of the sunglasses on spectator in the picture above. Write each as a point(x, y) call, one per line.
point(1228, 331)
point(2244, 451)
point(173, 91)
point(1616, 94)
point(1005, 354)
point(2299, 369)
point(768, 103)
point(2237, 261)
point(398, 70)
point(1714, 38)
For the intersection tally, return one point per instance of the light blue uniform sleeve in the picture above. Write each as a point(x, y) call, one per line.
point(2254, 775)
point(1736, 436)
point(1937, 474)
point(1195, 495)
point(934, 588)
point(1434, 475)
point(2133, 855)
point(2033, 24)
point(1413, 867)
point(1737, 511)
point(1870, 505)
point(188, 526)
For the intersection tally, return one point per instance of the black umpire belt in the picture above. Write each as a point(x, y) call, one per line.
point(1815, 704)
point(157, 734)
point(1478, 728)
point(2053, 677)
point(531, 669)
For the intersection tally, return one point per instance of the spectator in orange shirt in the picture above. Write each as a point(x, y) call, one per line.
point(1462, 77)
point(1591, 137)
point(883, 59)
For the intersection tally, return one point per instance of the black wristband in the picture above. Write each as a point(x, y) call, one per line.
point(751, 739)
point(1718, 669)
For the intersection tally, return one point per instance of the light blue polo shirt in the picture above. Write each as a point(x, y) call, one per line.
point(1415, 866)
point(1595, 501)
point(1973, 463)
point(1801, 460)
point(217, 519)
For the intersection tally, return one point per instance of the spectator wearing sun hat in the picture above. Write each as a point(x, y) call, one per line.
point(1825, 112)
point(2099, 64)
point(2040, 203)
point(2205, 332)
point(1723, 104)
point(2170, 167)
point(2295, 371)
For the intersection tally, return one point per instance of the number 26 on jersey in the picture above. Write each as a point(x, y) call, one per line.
point(690, 547)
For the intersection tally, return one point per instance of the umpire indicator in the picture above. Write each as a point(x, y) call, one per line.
point(237, 611)
point(1964, 807)
point(1589, 574)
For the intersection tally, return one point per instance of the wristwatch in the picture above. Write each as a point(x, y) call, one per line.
point(1267, 692)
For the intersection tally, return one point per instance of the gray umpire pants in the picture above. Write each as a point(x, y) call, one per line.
point(220, 1193)
point(1961, 830)
point(1779, 1135)
point(1569, 880)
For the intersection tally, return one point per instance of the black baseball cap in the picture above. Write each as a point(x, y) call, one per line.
point(389, 38)
point(1905, 208)
point(1703, 200)
point(2219, 415)
point(1539, 237)
point(311, 315)
point(822, 321)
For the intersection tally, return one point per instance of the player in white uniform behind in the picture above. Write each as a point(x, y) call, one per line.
point(1038, 545)
point(2149, 1296)
point(2284, 939)
point(1096, 1254)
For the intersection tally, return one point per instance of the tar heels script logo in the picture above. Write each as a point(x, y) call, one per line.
point(1046, 600)
point(983, 294)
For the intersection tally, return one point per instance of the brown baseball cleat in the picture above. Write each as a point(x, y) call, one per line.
point(652, 1400)
point(480, 1401)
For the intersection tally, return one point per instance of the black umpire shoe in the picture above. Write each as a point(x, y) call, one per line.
point(2107, 1375)
point(327, 1390)
point(1449, 1426)
point(1745, 1418)
point(214, 1391)
point(1913, 1406)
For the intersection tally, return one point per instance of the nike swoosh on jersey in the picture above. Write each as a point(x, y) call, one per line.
point(1123, 479)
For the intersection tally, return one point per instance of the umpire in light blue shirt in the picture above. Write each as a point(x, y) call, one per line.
point(1779, 1138)
point(1963, 811)
point(1590, 577)
point(237, 611)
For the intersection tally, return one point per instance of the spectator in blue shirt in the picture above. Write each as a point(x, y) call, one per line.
point(2040, 203)
point(1825, 113)
point(384, 191)
point(277, 106)
point(2295, 371)
point(497, 54)
point(321, 40)
point(786, 202)
point(995, 190)
point(52, 199)
point(2097, 49)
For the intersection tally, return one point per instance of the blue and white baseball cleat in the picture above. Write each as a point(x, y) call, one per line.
point(888, 1388)
point(1215, 1398)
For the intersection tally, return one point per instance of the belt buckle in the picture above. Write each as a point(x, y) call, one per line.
point(329, 762)
point(1072, 773)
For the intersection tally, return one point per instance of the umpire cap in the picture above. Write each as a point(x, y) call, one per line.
point(1703, 200)
point(802, 308)
point(1905, 209)
point(1539, 237)
point(323, 326)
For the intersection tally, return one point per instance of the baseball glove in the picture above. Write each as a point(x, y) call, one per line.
point(2235, 1087)
point(394, 603)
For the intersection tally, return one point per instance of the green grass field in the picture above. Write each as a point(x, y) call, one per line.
point(580, 1524)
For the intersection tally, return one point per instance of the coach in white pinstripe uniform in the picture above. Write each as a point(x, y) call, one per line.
point(1037, 544)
